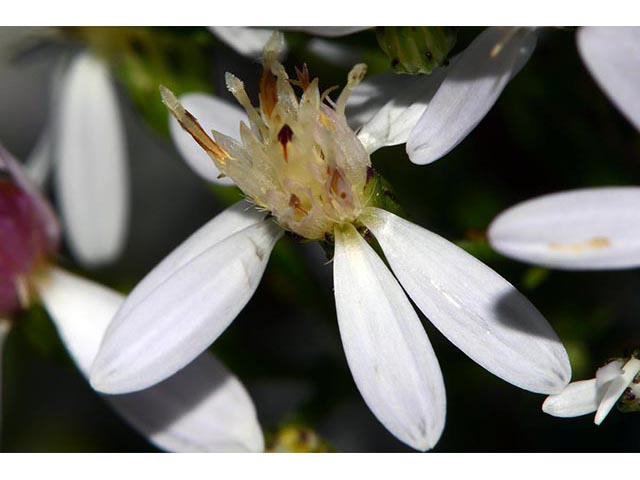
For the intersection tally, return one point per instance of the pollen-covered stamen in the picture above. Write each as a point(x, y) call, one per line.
point(268, 92)
point(236, 87)
point(192, 126)
point(356, 75)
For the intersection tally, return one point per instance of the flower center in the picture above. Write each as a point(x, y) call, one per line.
point(298, 158)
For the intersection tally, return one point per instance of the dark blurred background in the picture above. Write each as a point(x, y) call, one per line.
point(552, 129)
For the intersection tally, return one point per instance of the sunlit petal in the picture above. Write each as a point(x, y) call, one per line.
point(612, 55)
point(473, 84)
point(157, 333)
point(203, 408)
point(474, 307)
point(577, 398)
point(388, 351)
point(594, 228)
point(616, 388)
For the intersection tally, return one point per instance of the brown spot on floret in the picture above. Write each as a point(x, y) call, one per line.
point(596, 243)
point(284, 137)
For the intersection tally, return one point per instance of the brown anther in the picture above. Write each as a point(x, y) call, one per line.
point(336, 179)
point(268, 92)
point(294, 202)
point(303, 80)
point(192, 126)
point(284, 137)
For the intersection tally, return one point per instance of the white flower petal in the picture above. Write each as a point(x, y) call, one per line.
point(612, 55)
point(38, 163)
point(201, 408)
point(594, 228)
point(388, 351)
point(90, 154)
point(474, 307)
point(616, 388)
point(407, 97)
point(235, 218)
point(334, 52)
point(213, 114)
point(247, 41)
point(609, 372)
point(577, 398)
point(153, 337)
point(474, 82)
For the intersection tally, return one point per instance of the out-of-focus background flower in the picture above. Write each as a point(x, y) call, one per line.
point(552, 129)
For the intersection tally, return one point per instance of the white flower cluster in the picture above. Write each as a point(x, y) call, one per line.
point(303, 164)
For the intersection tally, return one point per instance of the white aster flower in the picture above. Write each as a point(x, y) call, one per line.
point(617, 383)
point(585, 229)
point(202, 408)
point(612, 55)
point(85, 143)
point(430, 113)
point(299, 161)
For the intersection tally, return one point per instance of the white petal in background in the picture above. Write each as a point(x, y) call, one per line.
point(203, 408)
point(247, 41)
point(335, 53)
point(213, 114)
point(475, 81)
point(89, 151)
point(612, 55)
point(183, 315)
point(474, 307)
point(232, 220)
point(586, 229)
point(577, 398)
point(615, 388)
point(332, 31)
point(406, 96)
point(389, 354)
point(38, 164)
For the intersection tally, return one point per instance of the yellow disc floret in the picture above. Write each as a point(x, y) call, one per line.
point(297, 158)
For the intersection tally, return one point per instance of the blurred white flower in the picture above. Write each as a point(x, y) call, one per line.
point(250, 41)
point(586, 229)
point(302, 163)
point(85, 143)
point(612, 55)
point(202, 408)
point(615, 380)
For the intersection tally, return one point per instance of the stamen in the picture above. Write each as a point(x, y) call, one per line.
point(325, 95)
point(272, 50)
point(303, 80)
point(191, 126)
point(268, 92)
point(356, 75)
point(294, 202)
point(236, 87)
